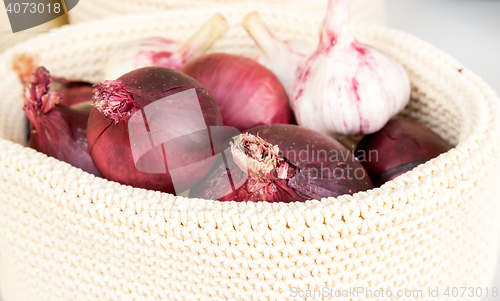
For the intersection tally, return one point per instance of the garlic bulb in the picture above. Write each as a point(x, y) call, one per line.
point(346, 87)
point(156, 51)
point(282, 58)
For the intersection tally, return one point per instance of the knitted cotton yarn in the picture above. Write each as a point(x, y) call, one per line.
point(362, 11)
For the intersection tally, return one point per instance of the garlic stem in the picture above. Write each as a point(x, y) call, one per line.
point(203, 39)
point(279, 57)
point(267, 42)
point(336, 23)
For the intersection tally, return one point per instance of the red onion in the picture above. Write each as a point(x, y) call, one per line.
point(71, 92)
point(156, 51)
point(152, 129)
point(248, 93)
point(56, 129)
point(397, 148)
point(283, 163)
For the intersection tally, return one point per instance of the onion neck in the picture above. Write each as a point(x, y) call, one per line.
point(115, 100)
point(260, 159)
point(336, 23)
point(38, 97)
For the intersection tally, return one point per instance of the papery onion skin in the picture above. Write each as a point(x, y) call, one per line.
point(57, 130)
point(71, 92)
point(315, 166)
point(109, 137)
point(25, 66)
point(398, 148)
point(247, 93)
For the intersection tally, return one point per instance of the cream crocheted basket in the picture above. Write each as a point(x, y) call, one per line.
point(67, 235)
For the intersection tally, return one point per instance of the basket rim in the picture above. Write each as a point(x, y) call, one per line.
point(409, 181)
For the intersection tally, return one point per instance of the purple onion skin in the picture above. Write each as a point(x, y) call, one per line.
point(62, 133)
point(74, 92)
point(247, 93)
point(319, 167)
point(398, 148)
point(110, 144)
point(71, 92)
point(57, 130)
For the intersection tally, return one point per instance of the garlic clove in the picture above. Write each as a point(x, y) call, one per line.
point(345, 87)
point(157, 51)
point(282, 58)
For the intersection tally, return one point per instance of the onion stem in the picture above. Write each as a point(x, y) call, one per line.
point(260, 159)
point(114, 99)
point(38, 97)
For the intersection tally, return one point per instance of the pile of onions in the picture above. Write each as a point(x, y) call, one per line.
point(162, 129)
point(399, 147)
point(157, 128)
point(283, 163)
point(247, 93)
point(151, 129)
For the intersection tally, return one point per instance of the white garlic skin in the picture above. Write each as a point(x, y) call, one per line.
point(147, 52)
point(288, 62)
point(349, 88)
point(345, 87)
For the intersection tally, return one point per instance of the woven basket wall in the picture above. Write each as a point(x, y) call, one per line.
point(67, 235)
point(362, 11)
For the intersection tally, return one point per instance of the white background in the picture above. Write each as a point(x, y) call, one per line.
point(469, 30)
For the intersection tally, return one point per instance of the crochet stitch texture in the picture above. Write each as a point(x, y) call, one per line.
point(67, 235)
